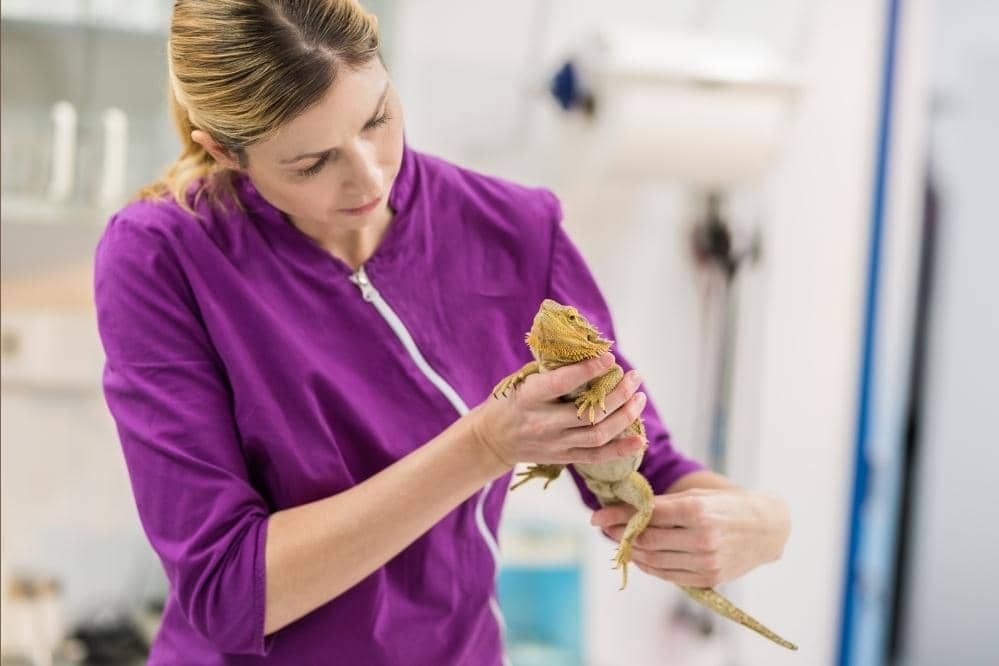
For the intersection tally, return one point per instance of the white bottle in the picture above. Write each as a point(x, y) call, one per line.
point(112, 187)
point(63, 152)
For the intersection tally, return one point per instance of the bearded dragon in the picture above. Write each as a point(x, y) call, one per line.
point(560, 336)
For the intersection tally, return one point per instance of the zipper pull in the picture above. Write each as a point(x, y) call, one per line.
point(360, 278)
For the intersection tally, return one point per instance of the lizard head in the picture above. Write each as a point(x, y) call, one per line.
point(560, 333)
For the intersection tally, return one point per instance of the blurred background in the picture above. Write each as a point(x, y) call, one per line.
point(791, 207)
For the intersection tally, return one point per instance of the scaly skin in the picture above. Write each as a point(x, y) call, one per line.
point(561, 336)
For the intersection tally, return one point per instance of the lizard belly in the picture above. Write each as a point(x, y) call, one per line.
point(610, 471)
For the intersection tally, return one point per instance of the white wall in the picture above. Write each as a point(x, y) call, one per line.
point(805, 374)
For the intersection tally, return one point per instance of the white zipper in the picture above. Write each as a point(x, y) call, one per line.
point(371, 295)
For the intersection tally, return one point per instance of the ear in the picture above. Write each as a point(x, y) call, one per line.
point(222, 155)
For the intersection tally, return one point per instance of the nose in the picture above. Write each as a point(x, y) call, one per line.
point(364, 174)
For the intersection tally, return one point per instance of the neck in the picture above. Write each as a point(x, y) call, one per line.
point(353, 246)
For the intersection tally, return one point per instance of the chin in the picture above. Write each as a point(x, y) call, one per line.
point(354, 221)
point(342, 221)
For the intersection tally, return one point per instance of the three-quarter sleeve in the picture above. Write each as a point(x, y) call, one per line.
point(570, 282)
point(167, 391)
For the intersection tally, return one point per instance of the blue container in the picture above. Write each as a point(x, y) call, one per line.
point(540, 594)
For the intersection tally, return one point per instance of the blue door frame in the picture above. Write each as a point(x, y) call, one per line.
point(861, 644)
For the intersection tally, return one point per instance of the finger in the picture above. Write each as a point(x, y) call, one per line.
point(679, 510)
point(624, 390)
point(701, 564)
point(614, 515)
point(601, 433)
point(556, 383)
point(666, 559)
point(671, 510)
point(677, 539)
point(613, 537)
point(619, 447)
point(678, 576)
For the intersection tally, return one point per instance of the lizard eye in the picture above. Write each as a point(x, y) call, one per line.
point(572, 317)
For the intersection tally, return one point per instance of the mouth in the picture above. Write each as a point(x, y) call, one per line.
point(360, 210)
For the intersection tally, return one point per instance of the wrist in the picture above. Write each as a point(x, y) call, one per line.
point(776, 517)
point(481, 449)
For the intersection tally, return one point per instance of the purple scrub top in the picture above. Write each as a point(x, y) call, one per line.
point(249, 371)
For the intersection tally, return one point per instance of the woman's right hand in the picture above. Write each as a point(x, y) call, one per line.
point(530, 424)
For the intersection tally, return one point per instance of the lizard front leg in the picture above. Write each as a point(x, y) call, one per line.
point(512, 381)
point(636, 491)
point(535, 471)
point(596, 393)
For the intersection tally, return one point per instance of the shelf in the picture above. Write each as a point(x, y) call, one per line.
point(21, 210)
point(47, 263)
point(53, 349)
point(61, 285)
point(31, 21)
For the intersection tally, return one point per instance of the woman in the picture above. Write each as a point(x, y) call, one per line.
point(296, 320)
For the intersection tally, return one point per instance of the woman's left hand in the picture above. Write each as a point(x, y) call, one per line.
point(704, 537)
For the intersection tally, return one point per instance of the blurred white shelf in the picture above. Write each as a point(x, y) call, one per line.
point(133, 17)
point(47, 265)
point(24, 210)
point(51, 351)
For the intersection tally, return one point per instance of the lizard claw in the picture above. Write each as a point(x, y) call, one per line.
point(621, 559)
point(504, 387)
point(588, 400)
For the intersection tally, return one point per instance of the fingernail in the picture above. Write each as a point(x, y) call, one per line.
point(640, 398)
point(634, 379)
point(605, 359)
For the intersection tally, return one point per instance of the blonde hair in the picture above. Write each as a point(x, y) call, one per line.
point(240, 69)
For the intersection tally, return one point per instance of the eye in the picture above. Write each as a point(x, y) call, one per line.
point(315, 168)
point(378, 122)
point(572, 317)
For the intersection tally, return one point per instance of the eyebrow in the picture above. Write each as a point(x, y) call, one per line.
point(320, 153)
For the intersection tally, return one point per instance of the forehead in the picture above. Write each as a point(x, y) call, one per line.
point(339, 115)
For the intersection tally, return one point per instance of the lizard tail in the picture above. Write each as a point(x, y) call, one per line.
point(713, 600)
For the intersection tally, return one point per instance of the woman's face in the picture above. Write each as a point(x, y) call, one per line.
point(341, 154)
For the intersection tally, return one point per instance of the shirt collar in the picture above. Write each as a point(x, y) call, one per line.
point(395, 245)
